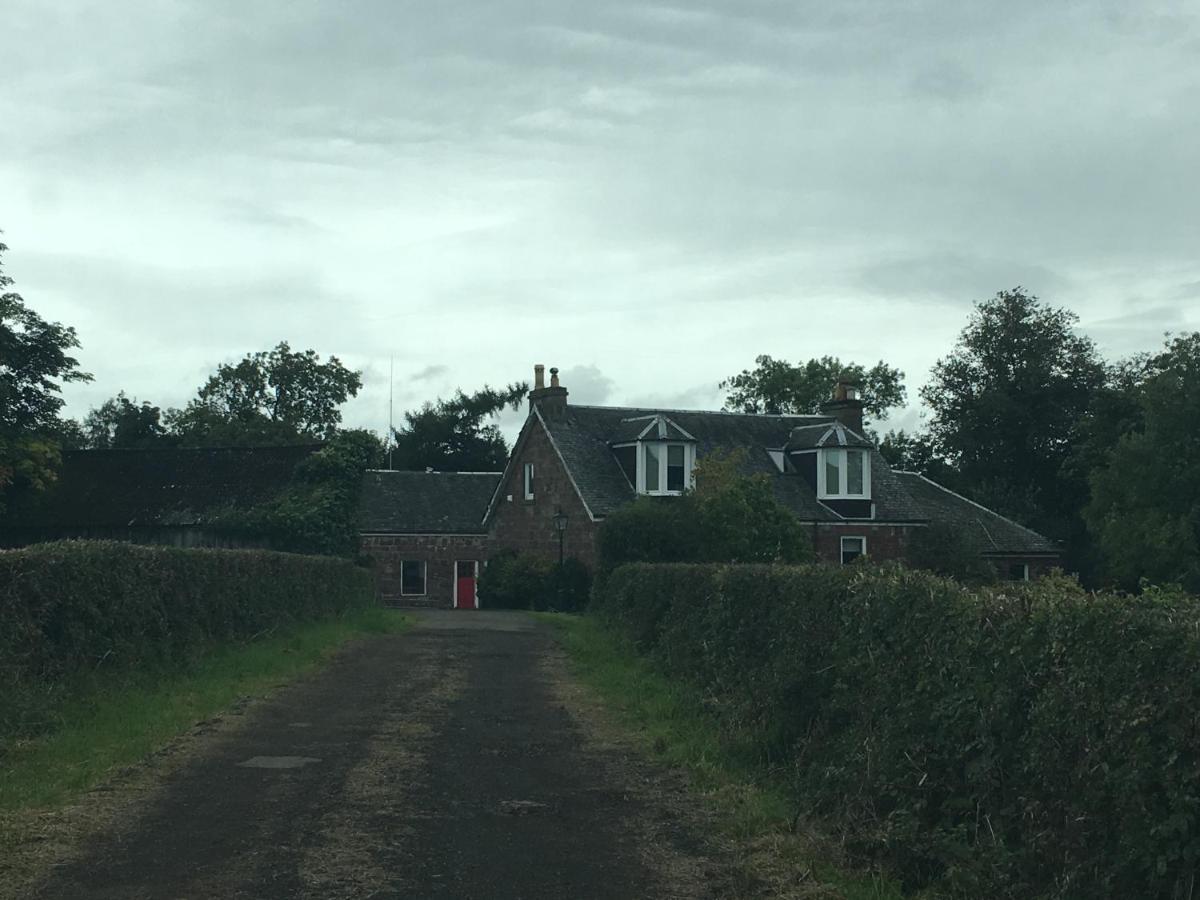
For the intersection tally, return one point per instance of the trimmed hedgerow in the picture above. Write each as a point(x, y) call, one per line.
point(74, 607)
point(1020, 741)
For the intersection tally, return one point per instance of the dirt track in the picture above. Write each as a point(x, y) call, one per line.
point(445, 762)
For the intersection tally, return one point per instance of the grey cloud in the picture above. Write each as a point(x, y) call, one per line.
point(429, 372)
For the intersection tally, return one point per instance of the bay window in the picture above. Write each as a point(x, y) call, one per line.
point(665, 468)
point(844, 474)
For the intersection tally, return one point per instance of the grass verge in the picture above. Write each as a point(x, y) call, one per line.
point(114, 721)
point(668, 719)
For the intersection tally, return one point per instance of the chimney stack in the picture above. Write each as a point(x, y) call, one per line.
point(552, 401)
point(846, 405)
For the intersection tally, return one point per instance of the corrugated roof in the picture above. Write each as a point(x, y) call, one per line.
point(425, 502)
point(159, 487)
point(986, 531)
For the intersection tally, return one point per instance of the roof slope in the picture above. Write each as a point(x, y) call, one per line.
point(425, 502)
point(159, 487)
point(584, 434)
point(986, 532)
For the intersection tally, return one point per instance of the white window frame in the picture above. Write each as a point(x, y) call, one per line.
point(842, 546)
point(424, 578)
point(528, 480)
point(839, 493)
point(689, 467)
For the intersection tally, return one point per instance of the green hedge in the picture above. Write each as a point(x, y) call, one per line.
point(71, 608)
point(1024, 741)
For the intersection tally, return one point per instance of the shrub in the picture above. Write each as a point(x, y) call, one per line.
point(514, 580)
point(729, 517)
point(944, 550)
point(74, 607)
point(1028, 740)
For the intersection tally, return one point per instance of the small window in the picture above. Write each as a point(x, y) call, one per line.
point(852, 549)
point(1018, 572)
point(528, 481)
point(412, 577)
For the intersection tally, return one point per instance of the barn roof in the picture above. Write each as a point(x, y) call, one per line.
point(156, 487)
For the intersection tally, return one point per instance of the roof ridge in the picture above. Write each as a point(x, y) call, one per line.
point(707, 412)
point(424, 472)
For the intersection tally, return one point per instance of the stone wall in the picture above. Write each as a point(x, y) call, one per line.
point(439, 552)
point(527, 526)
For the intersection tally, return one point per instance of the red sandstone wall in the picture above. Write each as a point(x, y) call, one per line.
point(440, 551)
point(884, 542)
point(527, 526)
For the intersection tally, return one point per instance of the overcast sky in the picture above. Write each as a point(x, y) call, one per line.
point(645, 196)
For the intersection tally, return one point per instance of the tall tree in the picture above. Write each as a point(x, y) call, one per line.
point(1005, 402)
point(454, 435)
point(123, 423)
point(777, 386)
point(1145, 506)
point(275, 396)
point(34, 362)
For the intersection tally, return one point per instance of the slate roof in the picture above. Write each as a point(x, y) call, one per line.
point(825, 434)
point(584, 434)
point(425, 502)
point(987, 532)
point(154, 488)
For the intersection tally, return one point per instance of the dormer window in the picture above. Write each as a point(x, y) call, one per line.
point(664, 468)
point(844, 474)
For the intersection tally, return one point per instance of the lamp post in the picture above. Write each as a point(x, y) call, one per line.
point(560, 525)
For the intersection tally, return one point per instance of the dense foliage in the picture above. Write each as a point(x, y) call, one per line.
point(317, 513)
point(455, 435)
point(514, 580)
point(729, 517)
point(777, 386)
point(67, 609)
point(1145, 506)
point(272, 397)
point(35, 361)
point(1034, 741)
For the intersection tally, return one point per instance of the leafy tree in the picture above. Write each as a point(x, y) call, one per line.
point(1004, 404)
point(34, 361)
point(451, 435)
point(728, 517)
point(120, 422)
point(777, 386)
point(271, 397)
point(1145, 506)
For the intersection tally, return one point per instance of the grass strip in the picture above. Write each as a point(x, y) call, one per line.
point(113, 721)
point(669, 720)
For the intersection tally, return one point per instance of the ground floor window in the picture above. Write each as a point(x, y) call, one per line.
point(1018, 571)
point(412, 577)
point(853, 548)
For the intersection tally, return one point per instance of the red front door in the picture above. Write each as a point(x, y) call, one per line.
point(464, 596)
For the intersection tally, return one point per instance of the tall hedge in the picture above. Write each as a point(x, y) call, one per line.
point(1026, 741)
point(75, 607)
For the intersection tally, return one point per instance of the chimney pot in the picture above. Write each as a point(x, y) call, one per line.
point(539, 377)
point(554, 376)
